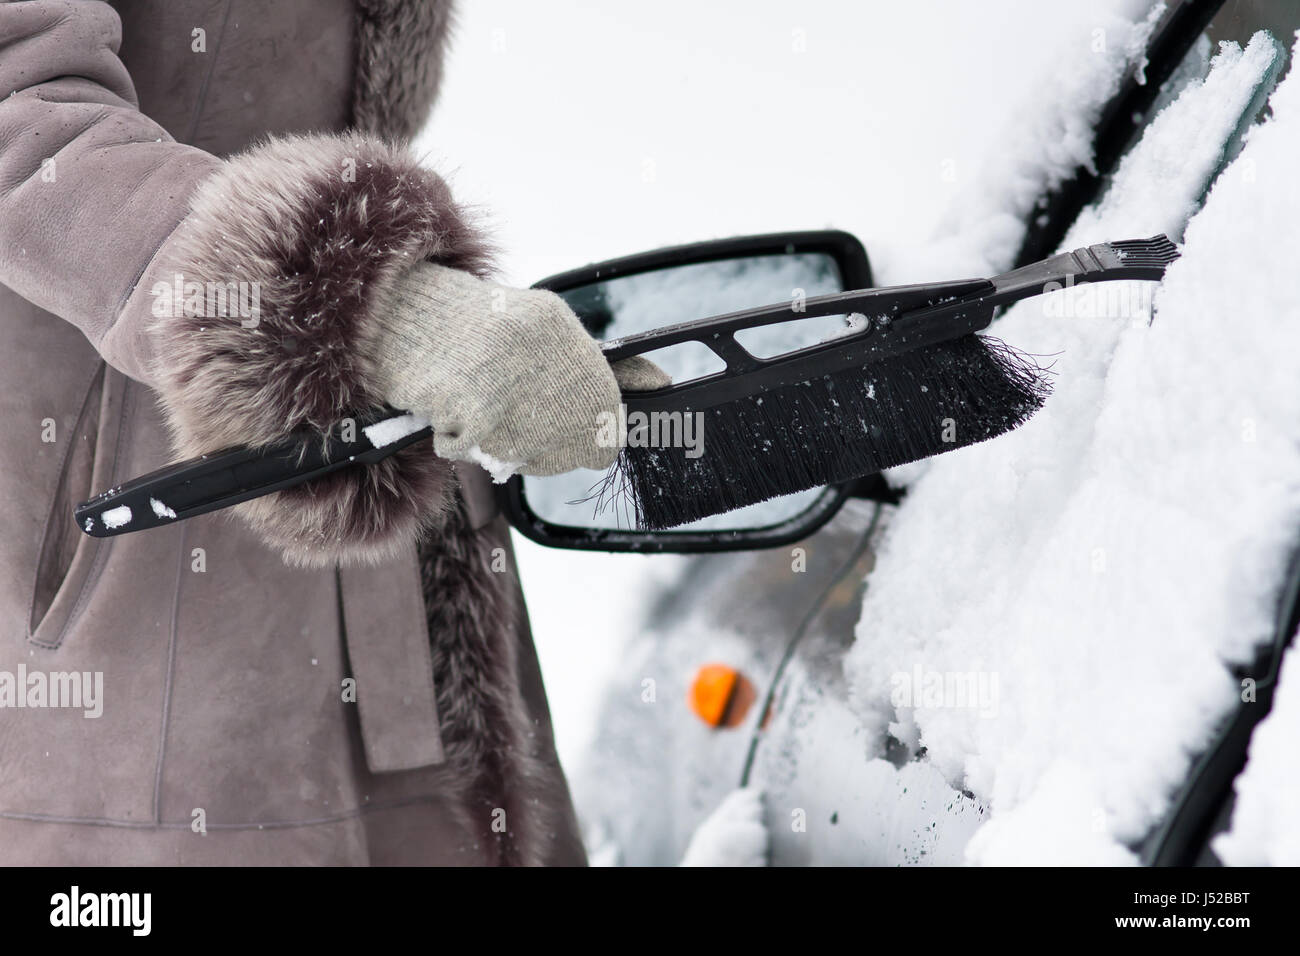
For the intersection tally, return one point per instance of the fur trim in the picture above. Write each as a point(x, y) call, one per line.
point(322, 225)
point(400, 47)
point(491, 746)
point(487, 733)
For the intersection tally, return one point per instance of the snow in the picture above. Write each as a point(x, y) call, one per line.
point(498, 469)
point(384, 433)
point(1110, 559)
point(160, 509)
point(852, 325)
point(1043, 133)
point(117, 517)
point(733, 835)
point(1061, 821)
point(1263, 831)
point(1185, 147)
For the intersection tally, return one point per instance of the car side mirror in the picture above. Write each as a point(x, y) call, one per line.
point(632, 294)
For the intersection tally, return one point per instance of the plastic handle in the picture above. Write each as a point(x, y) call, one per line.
point(224, 478)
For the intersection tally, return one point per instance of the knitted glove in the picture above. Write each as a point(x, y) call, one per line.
point(509, 377)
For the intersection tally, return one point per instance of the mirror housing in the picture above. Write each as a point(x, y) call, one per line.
point(855, 273)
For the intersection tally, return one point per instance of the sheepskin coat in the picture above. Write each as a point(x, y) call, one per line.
point(341, 673)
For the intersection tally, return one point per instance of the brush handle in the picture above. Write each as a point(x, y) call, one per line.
point(1141, 259)
point(901, 319)
point(718, 332)
point(224, 478)
point(1124, 260)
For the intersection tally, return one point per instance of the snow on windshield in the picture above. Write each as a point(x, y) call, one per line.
point(1042, 138)
point(1110, 559)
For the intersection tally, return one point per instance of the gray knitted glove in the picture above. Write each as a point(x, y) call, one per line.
point(509, 377)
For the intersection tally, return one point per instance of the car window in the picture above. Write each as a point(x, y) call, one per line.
point(1238, 21)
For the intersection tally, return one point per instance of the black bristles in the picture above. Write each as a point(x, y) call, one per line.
point(833, 429)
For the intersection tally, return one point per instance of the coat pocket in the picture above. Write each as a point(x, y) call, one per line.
point(66, 555)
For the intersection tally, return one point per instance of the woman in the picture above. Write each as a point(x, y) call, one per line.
point(341, 673)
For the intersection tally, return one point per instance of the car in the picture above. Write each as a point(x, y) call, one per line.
point(739, 678)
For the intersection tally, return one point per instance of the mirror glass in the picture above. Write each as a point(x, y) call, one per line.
point(625, 305)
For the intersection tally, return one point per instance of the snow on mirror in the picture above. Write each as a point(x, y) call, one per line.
point(650, 300)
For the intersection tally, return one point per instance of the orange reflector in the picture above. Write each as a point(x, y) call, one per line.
point(720, 695)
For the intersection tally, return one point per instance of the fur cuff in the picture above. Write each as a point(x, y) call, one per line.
point(304, 235)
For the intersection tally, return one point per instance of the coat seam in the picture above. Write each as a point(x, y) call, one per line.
point(167, 680)
point(340, 817)
point(201, 99)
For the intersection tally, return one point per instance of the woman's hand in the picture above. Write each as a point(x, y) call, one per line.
point(509, 377)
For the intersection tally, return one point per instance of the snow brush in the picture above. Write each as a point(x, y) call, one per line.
point(908, 379)
point(224, 478)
